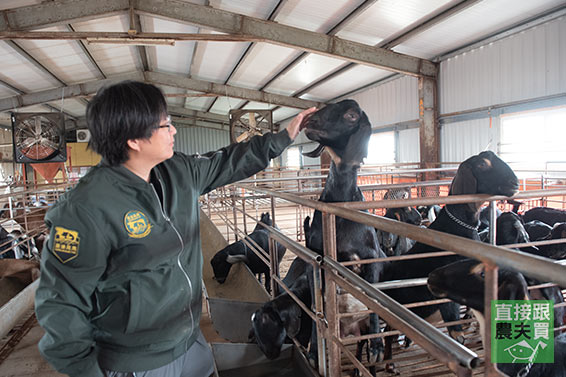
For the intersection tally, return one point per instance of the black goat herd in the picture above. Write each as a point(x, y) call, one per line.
point(343, 130)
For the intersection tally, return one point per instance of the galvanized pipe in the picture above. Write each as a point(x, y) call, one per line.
point(431, 339)
point(531, 265)
point(331, 306)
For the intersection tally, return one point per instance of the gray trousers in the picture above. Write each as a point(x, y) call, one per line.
point(196, 362)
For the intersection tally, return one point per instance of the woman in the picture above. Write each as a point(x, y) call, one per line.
point(120, 288)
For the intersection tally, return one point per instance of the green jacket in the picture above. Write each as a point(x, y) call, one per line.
point(121, 274)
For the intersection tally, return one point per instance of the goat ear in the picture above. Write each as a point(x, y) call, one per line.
point(464, 182)
point(357, 147)
point(315, 153)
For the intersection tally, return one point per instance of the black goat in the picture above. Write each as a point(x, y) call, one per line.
point(282, 318)
point(463, 282)
point(343, 129)
point(240, 252)
point(484, 173)
point(557, 250)
point(510, 230)
point(547, 215)
point(537, 230)
point(391, 243)
point(429, 213)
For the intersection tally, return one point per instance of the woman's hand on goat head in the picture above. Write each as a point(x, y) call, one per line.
point(295, 126)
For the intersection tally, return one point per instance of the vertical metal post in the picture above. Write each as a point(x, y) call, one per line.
point(490, 294)
point(329, 246)
point(233, 190)
point(318, 307)
point(273, 210)
point(492, 222)
point(274, 267)
point(244, 212)
point(428, 127)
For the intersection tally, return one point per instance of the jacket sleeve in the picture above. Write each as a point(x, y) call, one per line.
point(72, 261)
point(238, 161)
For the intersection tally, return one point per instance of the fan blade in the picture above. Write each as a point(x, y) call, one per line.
point(37, 126)
point(253, 123)
point(242, 137)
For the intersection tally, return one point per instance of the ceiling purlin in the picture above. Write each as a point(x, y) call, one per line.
point(142, 50)
point(178, 81)
point(69, 91)
point(248, 50)
point(193, 53)
point(21, 92)
point(339, 26)
point(288, 36)
point(85, 50)
point(389, 43)
point(26, 55)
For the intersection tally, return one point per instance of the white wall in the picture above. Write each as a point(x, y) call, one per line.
point(393, 102)
point(525, 66)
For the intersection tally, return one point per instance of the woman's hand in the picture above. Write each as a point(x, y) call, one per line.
point(295, 126)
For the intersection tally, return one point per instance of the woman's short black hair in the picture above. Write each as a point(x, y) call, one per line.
point(121, 112)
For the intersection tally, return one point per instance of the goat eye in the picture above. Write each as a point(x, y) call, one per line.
point(351, 116)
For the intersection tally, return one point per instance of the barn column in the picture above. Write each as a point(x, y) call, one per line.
point(428, 126)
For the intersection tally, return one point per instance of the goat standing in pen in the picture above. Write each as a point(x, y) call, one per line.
point(510, 230)
point(239, 251)
point(343, 129)
point(282, 318)
point(391, 243)
point(464, 281)
point(484, 173)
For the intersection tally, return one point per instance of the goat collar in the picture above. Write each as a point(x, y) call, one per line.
point(458, 221)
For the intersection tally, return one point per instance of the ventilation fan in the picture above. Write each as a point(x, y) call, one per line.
point(83, 136)
point(247, 123)
point(39, 137)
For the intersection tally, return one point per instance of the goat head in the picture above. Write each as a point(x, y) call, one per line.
point(464, 281)
point(484, 173)
point(343, 129)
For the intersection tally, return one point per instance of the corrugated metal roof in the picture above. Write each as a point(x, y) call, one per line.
point(272, 63)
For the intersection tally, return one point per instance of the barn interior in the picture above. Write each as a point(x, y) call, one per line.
point(440, 81)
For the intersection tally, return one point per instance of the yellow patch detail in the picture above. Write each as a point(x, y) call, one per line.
point(136, 224)
point(66, 244)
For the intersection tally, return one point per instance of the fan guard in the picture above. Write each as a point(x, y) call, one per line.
point(247, 123)
point(39, 137)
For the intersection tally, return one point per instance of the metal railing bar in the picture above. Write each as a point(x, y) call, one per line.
point(531, 265)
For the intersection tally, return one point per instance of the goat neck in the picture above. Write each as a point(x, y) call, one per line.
point(464, 221)
point(341, 184)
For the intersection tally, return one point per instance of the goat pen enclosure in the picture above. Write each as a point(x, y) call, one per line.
point(292, 195)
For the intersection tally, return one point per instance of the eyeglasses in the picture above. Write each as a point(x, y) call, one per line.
point(166, 125)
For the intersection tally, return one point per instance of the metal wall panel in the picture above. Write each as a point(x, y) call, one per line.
point(393, 102)
point(526, 65)
point(193, 140)
point(408, 148)
point(460, 140)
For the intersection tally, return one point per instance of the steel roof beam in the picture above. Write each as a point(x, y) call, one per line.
point(226, 90)
point(211, 117)
point(69, 11)
point(91, 87)
point(58, 12)
point(288, 36)
point(69, 91)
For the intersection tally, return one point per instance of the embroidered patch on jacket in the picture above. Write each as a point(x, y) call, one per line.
point(136, 224)
point(66, 244)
